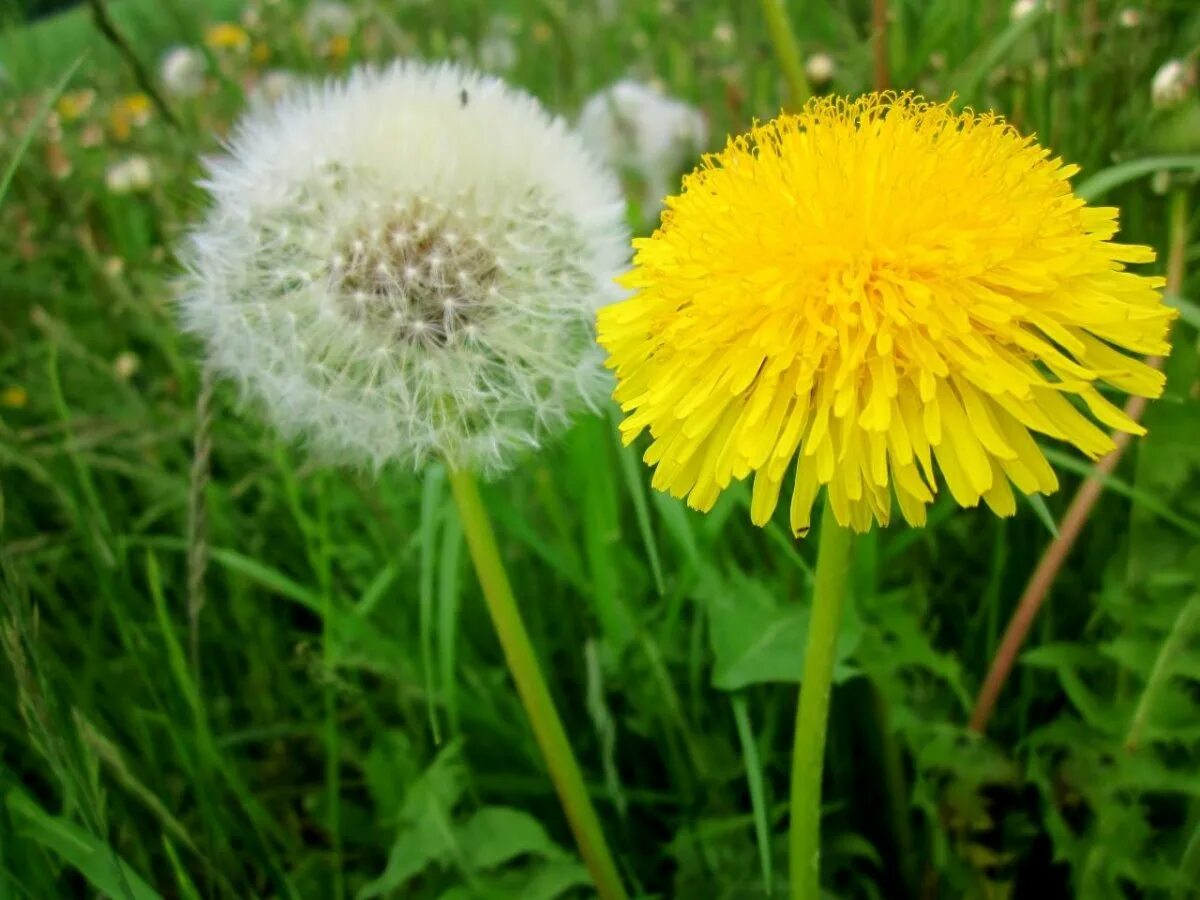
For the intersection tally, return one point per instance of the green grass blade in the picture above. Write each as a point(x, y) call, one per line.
point(10, 170)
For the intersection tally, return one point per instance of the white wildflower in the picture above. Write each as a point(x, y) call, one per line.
point(1130, 17)
point(497, 51)
point(1173, 82)
point(130, 174)
point(1023, 9)
point(272, 87)
point(820, 68)
point(633, 126)
point(325, 20)
point(407, 264)
point(182, 71)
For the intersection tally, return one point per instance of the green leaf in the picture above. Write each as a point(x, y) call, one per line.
point(497, 834)
point(757, 639)
point(35, 123)
point(426, 833)
point(89, 856)
point(1105, 180)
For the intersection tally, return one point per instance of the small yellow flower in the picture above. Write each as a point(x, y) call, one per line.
point(226, 36)
point(129, 112)
point(870, 287)
point(338, 47)
point(74, 104)
point(260, 52)
point(14, 397)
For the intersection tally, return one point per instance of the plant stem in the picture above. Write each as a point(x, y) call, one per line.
point(1085, 498)
point(787, 50)
point(812, 712)
point(881, 78)
point(531, 686)
point(1162, 669)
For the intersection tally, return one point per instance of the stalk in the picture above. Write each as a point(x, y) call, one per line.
point(787, 51)
point(812, 712)
point(531, 687)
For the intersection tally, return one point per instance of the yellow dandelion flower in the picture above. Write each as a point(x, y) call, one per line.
point(129, 112)
point(226, 36)
point(75, 104)
point(14, 397)
point(260, 52)
point(337, 47)
point(868, 288)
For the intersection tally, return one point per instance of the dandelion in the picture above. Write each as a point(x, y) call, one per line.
point(14, 397)
point(497, 51)
point(405, 266)
point(126, 364)
point(1173, 82)
point(127, 113)
point(820, 68)
point(272, 86)
point(75, 104)
point(129, 175)
point(1130, 17)
point(872, 292)
point(325, 20)
point(1023, 9)
point(868, 290)
point(182, 71)
point(413, 285)
point(226, 36)
point(635, 127)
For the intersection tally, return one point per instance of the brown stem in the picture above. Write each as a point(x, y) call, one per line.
point(1081, 505)
point(112, 34)
point(882, 79)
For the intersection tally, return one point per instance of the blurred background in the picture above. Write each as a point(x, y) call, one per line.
point(231, 673)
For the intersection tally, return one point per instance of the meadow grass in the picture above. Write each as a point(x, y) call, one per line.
point(300, 694)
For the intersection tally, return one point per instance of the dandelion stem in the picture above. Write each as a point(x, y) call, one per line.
point(531, 686)
point(1085, 498)
point(812, 712)
point(881, 78)
point(787, 50)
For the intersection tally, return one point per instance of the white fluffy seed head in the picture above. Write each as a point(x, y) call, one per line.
point(407, 264)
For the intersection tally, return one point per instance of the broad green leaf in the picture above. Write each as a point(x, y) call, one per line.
point(757, 638)
point(497, 834)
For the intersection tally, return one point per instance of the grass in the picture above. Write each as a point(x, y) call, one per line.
point(346, 723)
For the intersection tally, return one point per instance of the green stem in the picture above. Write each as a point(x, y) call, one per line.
point(531, 686)
point(787, 50)
point(812, 712)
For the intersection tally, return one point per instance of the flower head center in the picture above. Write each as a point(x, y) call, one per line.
point(415, 277)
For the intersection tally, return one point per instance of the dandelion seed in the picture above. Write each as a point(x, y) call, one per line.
point(411, 336)
point(870, 289)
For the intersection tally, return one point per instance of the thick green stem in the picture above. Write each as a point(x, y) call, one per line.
point(531, 686)
point(787, 50)
point(812, 713)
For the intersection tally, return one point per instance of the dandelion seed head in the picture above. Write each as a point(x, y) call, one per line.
point(425, 322)
point(871, 293)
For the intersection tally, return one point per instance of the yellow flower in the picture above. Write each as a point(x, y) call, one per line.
point(74, 104)
point(869, 287)
point(226, 36)
point(14, 397)
point(129, 112)
point(338, 47)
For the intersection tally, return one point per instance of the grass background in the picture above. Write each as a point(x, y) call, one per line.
point(335, 719)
